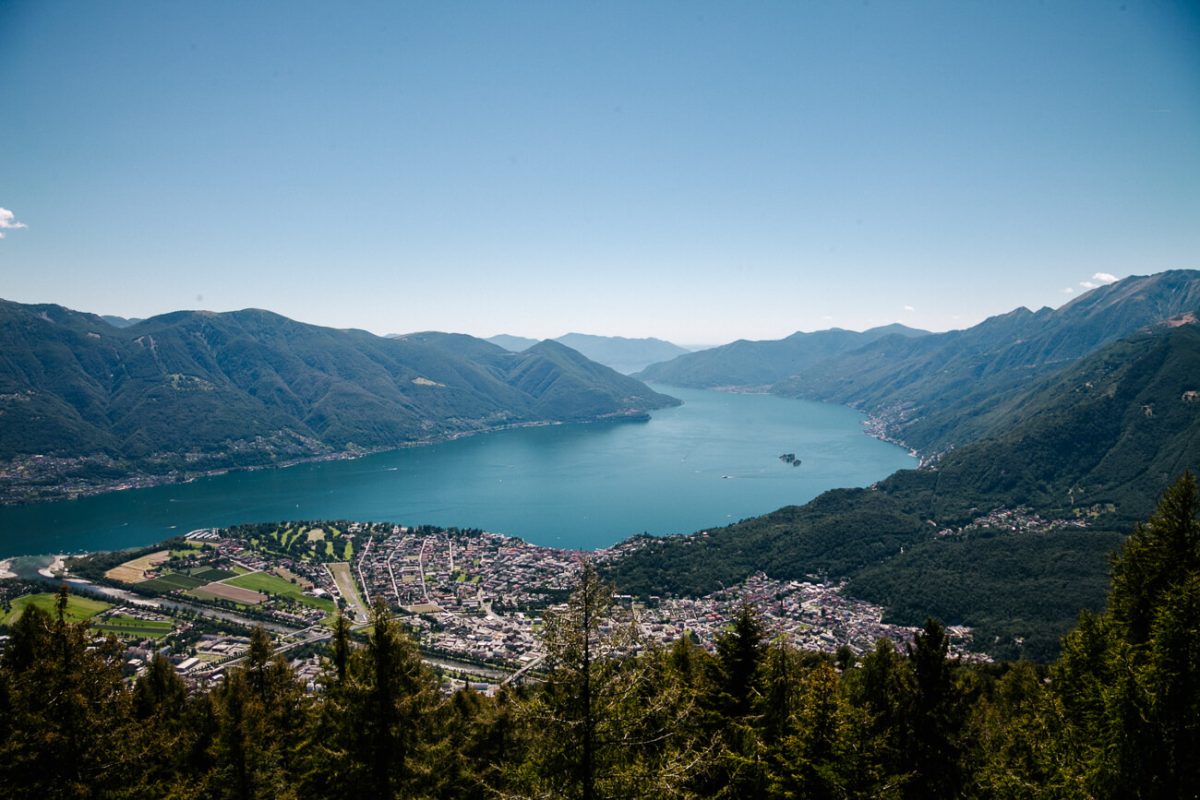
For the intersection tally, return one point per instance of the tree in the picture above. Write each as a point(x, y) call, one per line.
point(821, 755)
point(607, 722)
point(67, 730)
point(1126, 687)
point(937, 716)
point(257, 709)
point(883, 688)
point(376, 718)
point(1158, 556)
point(740, 653)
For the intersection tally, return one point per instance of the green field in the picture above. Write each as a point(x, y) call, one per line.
point(171, 581)
point(209, 574)
point(78, 608)
point(134, 628)
point(272, 584)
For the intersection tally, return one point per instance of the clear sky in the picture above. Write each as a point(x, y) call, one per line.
point(699, 172)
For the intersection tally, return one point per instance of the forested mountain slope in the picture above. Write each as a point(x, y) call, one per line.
point(196, 390)
point(1090, 447)
point(942, 390)
point(761, 363)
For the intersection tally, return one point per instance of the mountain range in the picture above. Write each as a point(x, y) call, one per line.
point(1061, 429)
point(84, 404)
point(626, 356)
point(936, 391)
point(760, 364)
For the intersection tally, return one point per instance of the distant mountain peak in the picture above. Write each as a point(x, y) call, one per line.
point(624, 354)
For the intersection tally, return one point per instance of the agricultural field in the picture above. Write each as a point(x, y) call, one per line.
point(210, 574)
point(267, 583)
point(186, 580)
point(78, 608)
point(134, 571)
point(291, 577)
point(128, 627)
point(173, 580)
point(223, 591)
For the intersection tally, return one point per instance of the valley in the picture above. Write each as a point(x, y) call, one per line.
point(1045, 436)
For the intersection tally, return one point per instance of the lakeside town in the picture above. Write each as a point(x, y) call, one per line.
point(474, 601)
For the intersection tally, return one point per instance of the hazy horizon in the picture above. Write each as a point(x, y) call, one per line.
point(697, 173)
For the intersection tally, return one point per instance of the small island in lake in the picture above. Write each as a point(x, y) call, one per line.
point(790, 458)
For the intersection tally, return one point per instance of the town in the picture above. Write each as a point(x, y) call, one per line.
point(474, 601)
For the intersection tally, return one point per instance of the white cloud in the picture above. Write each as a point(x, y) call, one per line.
point(8, 222)
point(1088, 284)
point(1068, 290)
point(1105, 277)
point(909, 308)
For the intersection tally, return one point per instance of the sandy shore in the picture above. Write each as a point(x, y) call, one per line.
point(54, 568)
point(6, 570)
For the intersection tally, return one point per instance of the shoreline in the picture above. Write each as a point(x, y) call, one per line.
point(144, 481)
point(57, 565)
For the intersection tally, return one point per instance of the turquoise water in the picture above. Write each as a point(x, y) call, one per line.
point(712, 461)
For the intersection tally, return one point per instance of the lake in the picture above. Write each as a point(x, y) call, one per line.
point(712, 461)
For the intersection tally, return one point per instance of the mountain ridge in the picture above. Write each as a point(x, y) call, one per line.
point(759, 364)
point(190, 391)
point(624, 354)
point(941, 391)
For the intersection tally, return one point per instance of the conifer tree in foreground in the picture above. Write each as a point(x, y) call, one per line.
point(1126, 690)
point(606, 722)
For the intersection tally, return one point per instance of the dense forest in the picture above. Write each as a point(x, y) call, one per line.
point(1116, 716)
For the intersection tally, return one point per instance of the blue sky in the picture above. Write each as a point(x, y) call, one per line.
point(699, 172)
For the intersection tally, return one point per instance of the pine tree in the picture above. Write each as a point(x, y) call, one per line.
point(1126, 686)
point(883, 688)
point(68, 729)
point(606, 722)
point(937, 716)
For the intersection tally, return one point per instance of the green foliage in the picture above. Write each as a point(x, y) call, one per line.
point(1020, 593)
point(77, 609)
point(193, 391)
point(65, 721)
point(836, 534)
point(605, 723)
point(1126, 684)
